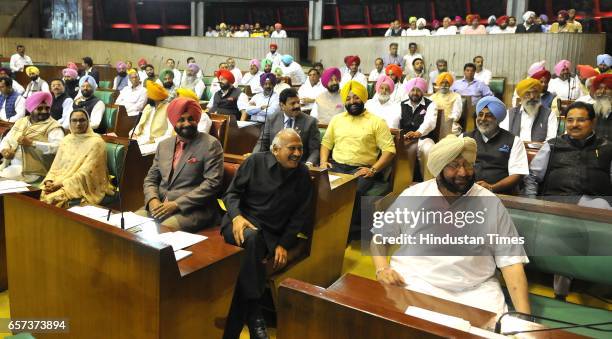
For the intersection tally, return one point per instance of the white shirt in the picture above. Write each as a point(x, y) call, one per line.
point(450, 30)
point(390, 111)
point(415, 32)
point(133, 99)
point(359, 77)
point(19, 109)
point(276, 59)
point(237, 74)
point(527, 125)
point(199, 75)
point(374, 74)
point(204, 124)
point(145, 137)
point(44, 87)
point(484, 76)
point(17, 62)
point(562, 89)
point(281, 34)
point(257, 101)
point(96, 114)
point(398, 93)
point(252, 80)
point(17, 87)
point(177, 77)
point(310, 92)
point(408, 61)
point(295, 72)
point(243, 102)
point(211, 34)
point(142, 75)
point(430, 118)
point(586, 99)
point(498, 30)
point(241, 34)
point(66, 110)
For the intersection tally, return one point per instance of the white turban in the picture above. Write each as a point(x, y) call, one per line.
point(528, 15)
point(421, 22)
point(448, 149)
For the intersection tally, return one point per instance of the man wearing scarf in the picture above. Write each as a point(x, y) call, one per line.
point(228, 99)
point(265, 103)
point(30, 145)
point(12, 105)
point(62, 103)
point(181, 186)
point(153, 126)
point(293, 70)
point(353, 62)
point(36, 84)
point(450, 103)
point(251, 79)
point(382, 105)
point(529, 25)
point(601, 98)
point(121, 80)
point(328, 103)
point(565, 86)
point(72, 83)
point(191, 81)
point(89, 102)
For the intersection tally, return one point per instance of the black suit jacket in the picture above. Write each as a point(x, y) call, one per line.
point(532, 29)
point(304, 124)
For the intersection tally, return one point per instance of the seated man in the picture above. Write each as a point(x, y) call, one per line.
point(382, 105)
point(547, 97)
point(501, 160)
point(450, 102)
point(62, 102)
point(601, 99)
point(531, 121)
point(121, 80)
point(133, 96)
point(70, 77)
point(12, 105)
point(311, 89)
point(191, 80)
point(468, 280)
point(263, 104)
point(36, 84)
point(6, 73)
point(575, 167)
point(268, 204)
point(329, 103)
point(353, 73)
point(361, 142)
point(228, 100)
point(166, 76)
point(469, 86)
point(87, 101)
point(292, 117)
point(187, 173)
point(79, 170)
point(395, 73)
point(153, 125)
point(30, 145)
point(292, 70)
point(251, 78)
point(378, 70)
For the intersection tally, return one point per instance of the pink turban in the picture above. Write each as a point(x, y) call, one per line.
point(419, 83)
point(561, 65)
point(383, 79)
point(194, 67)
point(69, 72)
point(254, 62)
point(536, 67)
point(121, 66)
point(72, 65)
point(36, 99)
point(181, 105)
point(327, 74)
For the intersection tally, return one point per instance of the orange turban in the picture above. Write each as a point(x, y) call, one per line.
point(526, 84)
point(181, 105)
point(394, 69)
point(605, 79)
point(156, 92)
point(444, 76)
point(586, 71)
point(227, 75)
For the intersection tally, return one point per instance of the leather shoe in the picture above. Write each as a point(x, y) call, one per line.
point(257, 328)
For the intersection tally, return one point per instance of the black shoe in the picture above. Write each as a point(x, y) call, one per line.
point(257, 328)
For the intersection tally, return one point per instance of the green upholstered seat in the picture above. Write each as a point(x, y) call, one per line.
point(5, 64)
point(497, 86)
point(108, 120)
point(207, 80)
point(105, 96)
point(105, 84)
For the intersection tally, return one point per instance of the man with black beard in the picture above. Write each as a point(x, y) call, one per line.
point(150, 72)
point(228, 99)
point(501, 160)
point(89, 102)
point(181, 186)
point(36, 84)
point(166, 76)
point(71, 82)
point(531, 121)
point(121, 80)
point(601, 98)
point(362, 145)
point(62, 103)
point(329, 103)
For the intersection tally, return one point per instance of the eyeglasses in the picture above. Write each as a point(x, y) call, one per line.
point(466, 166)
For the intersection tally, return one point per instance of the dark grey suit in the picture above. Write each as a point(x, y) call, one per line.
point(195, 183)
point(306, 127)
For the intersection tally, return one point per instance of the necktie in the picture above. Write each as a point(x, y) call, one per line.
point(178, 152)
point(289, 123)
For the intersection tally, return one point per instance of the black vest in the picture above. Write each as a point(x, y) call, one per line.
point(539, 127)
point(227, 104)
point(577, 170)
point(57, 109)
point(87, 104)
point(72, 88)
point(603, 128)
point(492, 157)
point(411, 121)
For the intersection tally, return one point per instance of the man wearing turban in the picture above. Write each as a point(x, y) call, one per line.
point(604, 62)
point(563, 25)
point(395, 73)
point(292, 70)
point(501, 159)
point(311, 89)
point(279, 32)
point(353, 62)
point(228, 99)
point(171, 65)
point(133, 96)
point(153, 125)
point(529, 25)
point(251, 78)
point(274, 55)
point(36, 84)
point(121, 80)
point(191, 81)
point(362, 145)
point(329, 103)
point(182, 185)
point(474, 27)
point(544, 77)
point(449, 102)
point(600, 96)
point(264, 103)
point(502, 26)
point(416, 28)
point(12, 104)
point(89, 102)
point(142, 63)
point(70, 76)
point(464, 279)
point(166, 77)
point(30, 145)
point(531, 121)
point(382, 105)
point(565, 85)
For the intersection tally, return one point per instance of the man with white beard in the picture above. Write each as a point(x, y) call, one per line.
point(382, 105)
point(601, 98)
point(565, 86)
point(531, 121)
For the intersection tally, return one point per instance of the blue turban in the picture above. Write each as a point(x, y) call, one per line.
point(89, 79)
point(604, 59)
point(287, 59)
point(265, 76)
point(496, 106)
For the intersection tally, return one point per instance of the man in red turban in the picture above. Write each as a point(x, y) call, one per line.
point(544, 77)
point(353, 62)
point(600, 96)
point(228, 99)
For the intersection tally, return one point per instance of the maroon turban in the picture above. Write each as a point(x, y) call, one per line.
point(541, 74)
point(181, 105)
point(353, 58)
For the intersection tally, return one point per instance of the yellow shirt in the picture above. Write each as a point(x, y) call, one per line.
point(358, 140)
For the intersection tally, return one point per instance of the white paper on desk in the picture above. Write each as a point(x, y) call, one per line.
point(439, 318)
point(10, 184)
point(485, 334)
point(93, 212)
point(146, 149)
point(333, 178)
point(179, 239)
point(130, 220)
point(14, 190)
point(181, 254)
point(242, 124)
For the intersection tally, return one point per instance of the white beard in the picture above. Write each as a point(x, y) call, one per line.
point(383, 98)
point(602, 107)
point(532, 110)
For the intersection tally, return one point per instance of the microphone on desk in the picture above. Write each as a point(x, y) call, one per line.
point(571, 325)
point(136, 124)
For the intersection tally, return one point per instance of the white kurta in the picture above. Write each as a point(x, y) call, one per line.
point(252, 80)
point(359, 77)
point(527, 125)
point(374, 74)
point(17, 62)
point(19, 110)
point(566, 90)
point(484, 76)
point(237, 75)
point(310, 92)
point(280, 34)
point(133, 99)
point(450, 30)
point(390, 111)
point(295, 72)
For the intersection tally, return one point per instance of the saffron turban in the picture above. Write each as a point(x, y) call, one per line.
point(586, 71)
point(265, 62)
point(419, 83)
point(156, 92)
point(448, 149)
point(328, 73)
point(227, 75)
point(353, 58)
point(605, 79)
point(187, 93)
point(121, 66)
point(561, 65)
point(383, 79)
point(162, 74)
point(287, 59)
point(222, 25)
point(181, 105)
point(36, 99)
point(496, 106)
point(32, 70)
point(193, 67)
point(90, 80)
point(274, 45)
point(356, 88)
point(421, 22)
point(604, 59)
point(394, 69)
point(502, 19)
point(472, 17)
point(142, 62)
point(69, 72)
point(72, 65)
point(266, 76)
point(528, 15)
point(536, 67)
point(131, 71)
point(444, 76)
point(542, 74)
point(278, 25)
point(527, 84)
point(564, 13)
point(412, 19)
point(254, 62)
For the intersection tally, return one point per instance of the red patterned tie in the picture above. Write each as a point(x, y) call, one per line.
point(178, 152)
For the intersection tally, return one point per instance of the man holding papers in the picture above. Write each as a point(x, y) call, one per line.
point(182, 184)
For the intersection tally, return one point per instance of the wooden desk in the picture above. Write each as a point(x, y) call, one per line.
point(240, 140)
point(356, 307)
point(111, 283)
point(124, 123)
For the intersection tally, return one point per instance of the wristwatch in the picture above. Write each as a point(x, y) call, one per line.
point(373, 170)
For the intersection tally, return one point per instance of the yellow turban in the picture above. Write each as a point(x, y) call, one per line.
point(448, 149)
point(32, 70)
point(527, 84)
point(156, 91)
point(130, 71)
point(356, 88)
point(445, 76)
point(187, 93)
